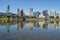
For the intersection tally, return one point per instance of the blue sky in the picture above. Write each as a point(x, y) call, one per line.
point(37, 5)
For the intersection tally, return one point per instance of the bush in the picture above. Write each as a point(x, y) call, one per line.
point(51, 16)
point(51, 21)
point(30, 16)
point(57, 16)
point(34, 16)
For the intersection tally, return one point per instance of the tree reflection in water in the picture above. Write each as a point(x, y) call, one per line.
point(43, 25)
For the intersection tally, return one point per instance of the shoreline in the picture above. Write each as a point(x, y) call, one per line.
point(33, 19)
point(41, 19)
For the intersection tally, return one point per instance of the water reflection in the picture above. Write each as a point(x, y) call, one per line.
point(43, 24)
point(8, 27)
point(6, 22)
point(53, 24)
point(29, 29)
point(20, 25)
point(31, 26)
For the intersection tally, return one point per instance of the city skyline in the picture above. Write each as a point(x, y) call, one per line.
point(37, 5)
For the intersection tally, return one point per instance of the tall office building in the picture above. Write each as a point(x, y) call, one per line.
point(20, 12)
point(31, 11)
point(45, 13)
point(53, 13)
point(8, 8)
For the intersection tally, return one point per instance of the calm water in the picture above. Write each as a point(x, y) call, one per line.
point(45, 30)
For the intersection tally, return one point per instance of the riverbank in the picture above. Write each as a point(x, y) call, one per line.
point(42, 19)
point(32, 19)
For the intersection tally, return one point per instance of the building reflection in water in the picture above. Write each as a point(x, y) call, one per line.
point(45, 25)
point(53, 25)
point(41, 24)
point(36, 24)
point(8, 27)
point(31, 26)
point(20, 25)
point(7, 23)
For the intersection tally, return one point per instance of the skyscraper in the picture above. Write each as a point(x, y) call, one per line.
point(53, 13)
point(8, 8)
point(31, 11)
point(20, 12)
point(45, 13)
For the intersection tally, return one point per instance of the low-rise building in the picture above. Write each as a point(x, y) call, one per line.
point(36, 14)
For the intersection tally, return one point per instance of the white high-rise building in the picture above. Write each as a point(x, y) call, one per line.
point(41, 15)
point(31, 11)
point(53, 13)
point(44, 14)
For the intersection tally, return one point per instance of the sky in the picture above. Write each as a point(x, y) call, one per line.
point(37, 5)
